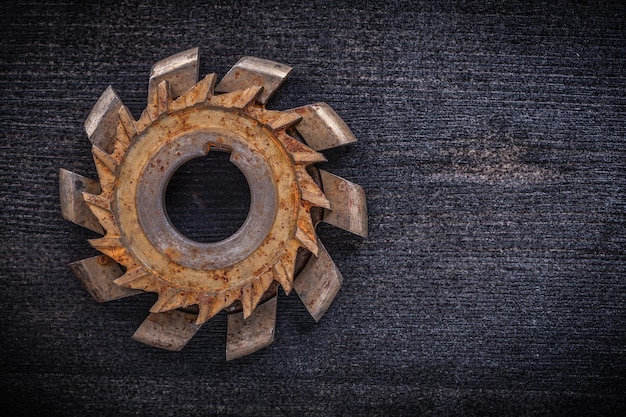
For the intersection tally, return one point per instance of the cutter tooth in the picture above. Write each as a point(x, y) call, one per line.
point(322, 128)
point(97, 200)
point(203, 90)
point(245, 336)
point(261, 285)
point(144, 121)
point(105, 158)
point(263, 115)
point(237, 99)
point(220, 302)
point(125, 132)
point(105, 217)
point(199, 93)
point(111, 246)
point(145, 283)
point(210, 305)
point(289, 255)
point(169, 330)
point(101, 124)
point(159, 102)
point(179, 70)
point(349, 207)
point(283, 120)
point(318, 283)
point(305, 223)
point(306, 241)
point(299, 151)
point(136, 278)
point(249, 71)
point(248, 97)
point(73, 206)
point(284, 277)
point(163, 97)
point(310, 191)
point(207, 308)
point(246, 300)
point(119, 150)
point(128, 124)
point(97, 275)
point(170, 299)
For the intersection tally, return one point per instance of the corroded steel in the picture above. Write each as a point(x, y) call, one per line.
point(185, 119)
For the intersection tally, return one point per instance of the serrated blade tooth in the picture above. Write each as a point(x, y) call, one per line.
point(159, 103)
point(169, 330)
point(199, 93)
point(284, 269)
point(264, 115)
point(246, 336)
point(237, 99)
point(347, 199)
point(106, 243)
point(73, 206)
point(105, 217)
point(106, 177)
point(128, 124)
point(310, 190)
point(179, 70)
point(249, 71)
point(136, 278)
point(106, 158)
point(284, 277)
point(306, 231)
point(219, 302)
point(283, 120)
point(97, 200)
point(97, 275)
point(163, 97)
point(306, 241)
point(260, 286)
point(207, 308)
point(318, 283)
point(111, 246)
point(322, 128)
point(299, 151)
point(246, 300)
point(170, 300)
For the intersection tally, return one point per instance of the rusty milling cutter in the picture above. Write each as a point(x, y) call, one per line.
point(276, 245)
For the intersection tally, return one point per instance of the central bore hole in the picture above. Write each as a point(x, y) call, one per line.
point(207, 198)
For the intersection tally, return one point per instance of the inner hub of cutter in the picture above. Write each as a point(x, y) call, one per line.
point(208, 199)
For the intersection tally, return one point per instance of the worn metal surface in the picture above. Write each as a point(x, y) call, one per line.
point(97, 275)
point(347, 199)
point(73, 207)
point(245, 336)
point(101, 123)
point(318, 283)
point(186, 119)
point(250, 71)
point(169, 330)
point(179, 70)
point(322, 128)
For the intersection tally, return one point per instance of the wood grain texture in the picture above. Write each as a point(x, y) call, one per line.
point(492, 149)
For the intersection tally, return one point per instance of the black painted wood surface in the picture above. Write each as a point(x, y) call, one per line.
point(493, 152)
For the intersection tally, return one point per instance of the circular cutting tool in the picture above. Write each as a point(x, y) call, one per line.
point(277, 243)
